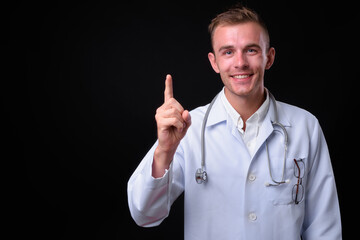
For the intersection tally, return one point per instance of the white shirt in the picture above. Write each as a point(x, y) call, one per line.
point(253, 124)
point(235, 203)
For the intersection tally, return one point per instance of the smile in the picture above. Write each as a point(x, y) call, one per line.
point(241, 76)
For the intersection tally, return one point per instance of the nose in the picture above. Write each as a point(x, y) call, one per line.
point(240, 61)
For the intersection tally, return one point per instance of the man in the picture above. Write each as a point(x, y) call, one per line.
point(269, 174)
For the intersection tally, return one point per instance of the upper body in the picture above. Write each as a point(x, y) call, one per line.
point(235, 202)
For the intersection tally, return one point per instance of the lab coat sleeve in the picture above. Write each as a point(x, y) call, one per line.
point(322, 213)
point(150, 198)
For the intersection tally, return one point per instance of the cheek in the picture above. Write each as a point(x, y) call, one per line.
point(257, 64)
point(224, 65)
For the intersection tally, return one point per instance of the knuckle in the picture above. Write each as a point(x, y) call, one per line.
point(173, 111)
point(172, 100)
point(160, 108)
point(158, 112)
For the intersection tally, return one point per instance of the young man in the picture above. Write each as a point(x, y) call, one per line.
point(269, 173)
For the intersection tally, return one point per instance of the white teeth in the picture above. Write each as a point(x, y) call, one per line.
point(241, 76)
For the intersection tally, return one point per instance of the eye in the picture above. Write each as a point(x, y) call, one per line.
point(228, 52)
point(252, 51)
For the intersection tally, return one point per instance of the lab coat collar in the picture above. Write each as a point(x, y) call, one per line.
point(281, 115)
point(267, 127)
point(218, 114)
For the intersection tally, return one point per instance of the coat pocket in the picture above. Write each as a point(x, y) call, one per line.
point(286, 193)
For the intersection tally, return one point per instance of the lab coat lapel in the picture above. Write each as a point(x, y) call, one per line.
point(265, 131)
point(217, 113)
point(267, 127)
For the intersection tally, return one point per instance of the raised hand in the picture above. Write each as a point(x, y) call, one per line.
point(172, 124)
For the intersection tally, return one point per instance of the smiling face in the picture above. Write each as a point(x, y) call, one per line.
point(241, 55)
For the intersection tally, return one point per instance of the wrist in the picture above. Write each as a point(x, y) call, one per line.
point(161, 162)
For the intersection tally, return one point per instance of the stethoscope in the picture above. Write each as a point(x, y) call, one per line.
point(201, 175)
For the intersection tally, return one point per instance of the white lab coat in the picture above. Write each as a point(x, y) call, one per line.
point(235, 202)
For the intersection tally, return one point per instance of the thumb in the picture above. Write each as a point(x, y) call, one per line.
point(187, 118)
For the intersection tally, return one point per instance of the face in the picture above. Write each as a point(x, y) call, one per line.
point(241, 57)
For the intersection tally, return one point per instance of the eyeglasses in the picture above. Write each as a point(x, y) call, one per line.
point(298, 189)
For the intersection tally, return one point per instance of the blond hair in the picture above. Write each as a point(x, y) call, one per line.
point(237, 15)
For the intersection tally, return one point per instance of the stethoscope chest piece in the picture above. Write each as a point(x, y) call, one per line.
point(200, 176)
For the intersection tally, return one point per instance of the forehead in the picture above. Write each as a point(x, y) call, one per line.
point(239, 35)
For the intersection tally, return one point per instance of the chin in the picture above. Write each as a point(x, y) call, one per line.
point(242, 90)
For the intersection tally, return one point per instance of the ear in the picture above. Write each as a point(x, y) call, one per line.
point(212, 60)
point(270, 58)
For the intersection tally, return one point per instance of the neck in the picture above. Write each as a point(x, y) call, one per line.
point(246, 105)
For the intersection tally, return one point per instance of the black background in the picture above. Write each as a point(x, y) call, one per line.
point(82, 80)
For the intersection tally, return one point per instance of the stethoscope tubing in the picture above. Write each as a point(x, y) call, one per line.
point(201, 174)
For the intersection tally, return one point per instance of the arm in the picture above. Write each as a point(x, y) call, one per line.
point(322, 213)
point(150, 198)
point(158, 180)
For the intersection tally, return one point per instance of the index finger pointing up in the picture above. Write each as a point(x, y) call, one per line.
point(168, 88)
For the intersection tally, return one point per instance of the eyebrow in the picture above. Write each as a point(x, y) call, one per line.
point(253, 45)
point(225, 47)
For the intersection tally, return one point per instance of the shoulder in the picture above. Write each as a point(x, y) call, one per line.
point(216, 115)
point(197, 116)
point(199, 112)
point(302, 122)
point(296, 114)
